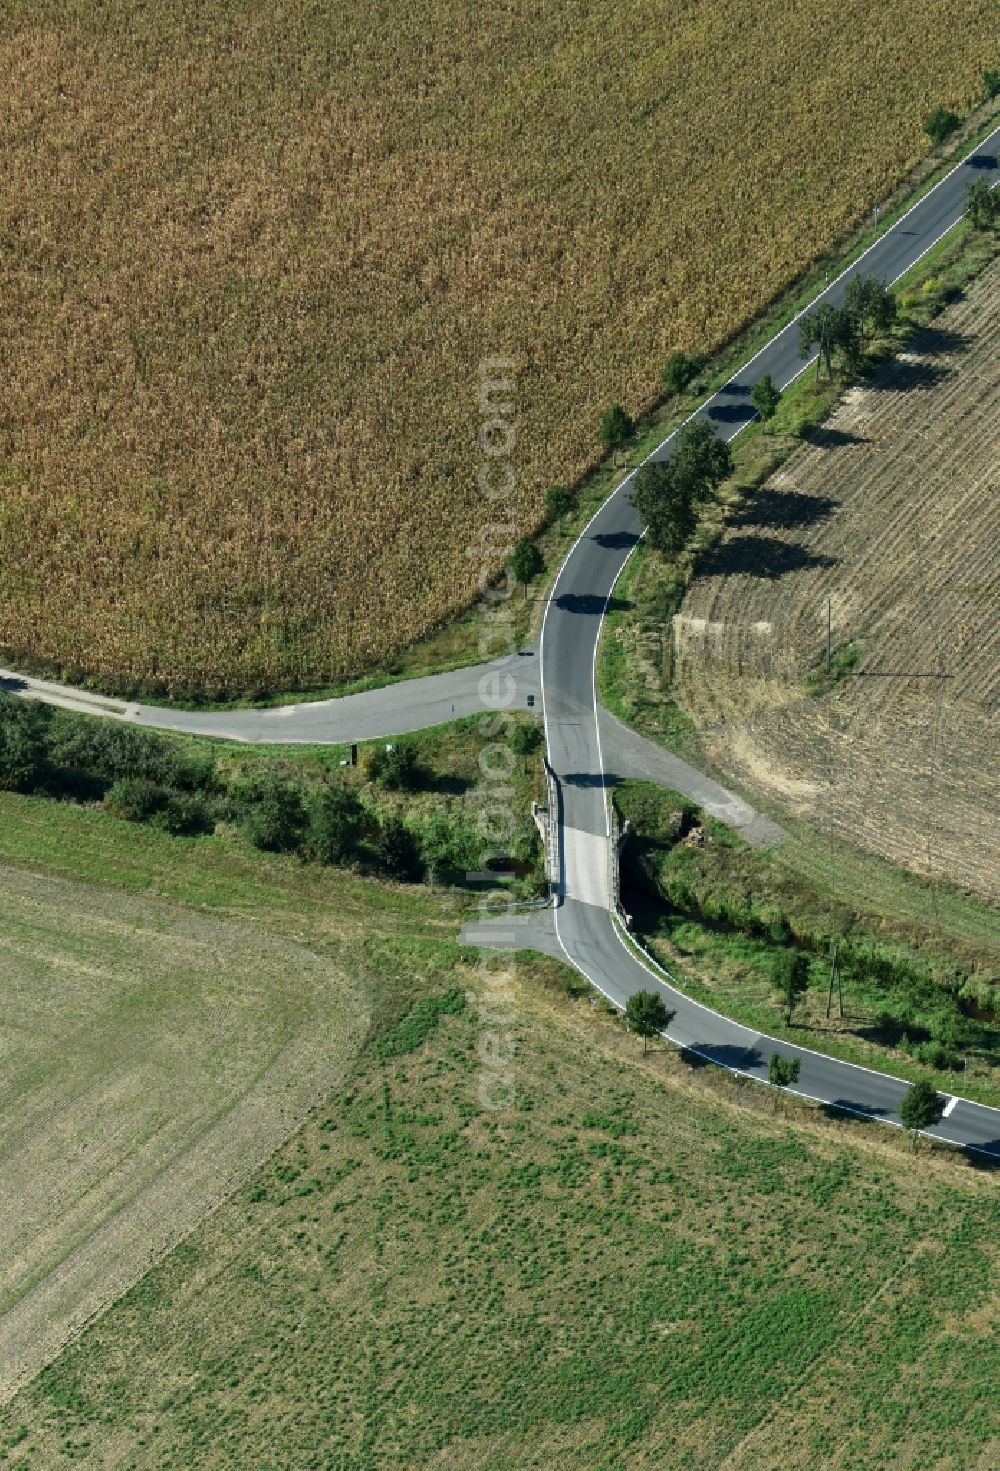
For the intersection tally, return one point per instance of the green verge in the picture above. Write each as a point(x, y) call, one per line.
point(916, 961)
point(416, 1279)
point(443, 802)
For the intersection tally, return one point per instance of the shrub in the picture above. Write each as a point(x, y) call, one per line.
point(108, 750)
point(396, 851)
point(136, 798)
point(616, 427)
point(991, 82)
point(940, 123)
point(336, 825)
point(395, 767)
point(935, 1055)
point(526, 739)
point(276, 817)
point(24, 728)
point(680, 370)
point(558, 503)
point(185, 815)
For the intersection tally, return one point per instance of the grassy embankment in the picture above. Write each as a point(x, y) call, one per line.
point(918, 963)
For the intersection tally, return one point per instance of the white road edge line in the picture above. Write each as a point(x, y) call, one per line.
point(600, 627)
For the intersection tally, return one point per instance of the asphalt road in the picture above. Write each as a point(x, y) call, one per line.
point(579, 734)
point(583, 922)
point(395, 709)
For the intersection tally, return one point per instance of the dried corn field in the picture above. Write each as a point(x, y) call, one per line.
point(251, 257)
point(887, 532)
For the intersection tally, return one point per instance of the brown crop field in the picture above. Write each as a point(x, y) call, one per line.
point(252, 255)
point(887, 530)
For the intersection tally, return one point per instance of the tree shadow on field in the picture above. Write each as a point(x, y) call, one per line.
point(906, 377)
point(825, 436)
point(759, 556)
point(455, 786)
point(941, 339)
point(783, 508)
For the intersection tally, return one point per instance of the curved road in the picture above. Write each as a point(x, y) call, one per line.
point(585, 927)
point(582, 925)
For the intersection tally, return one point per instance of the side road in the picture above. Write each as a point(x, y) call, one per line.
point(410, 705)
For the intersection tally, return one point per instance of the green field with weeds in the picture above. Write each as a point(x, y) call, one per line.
point(632, 1263)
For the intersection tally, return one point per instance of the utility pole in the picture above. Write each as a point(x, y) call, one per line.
point(835, 975)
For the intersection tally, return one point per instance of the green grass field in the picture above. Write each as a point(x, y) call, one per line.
point(636, 1264)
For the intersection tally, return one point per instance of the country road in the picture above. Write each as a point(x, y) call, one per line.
point(587, 748)
point(585, 926)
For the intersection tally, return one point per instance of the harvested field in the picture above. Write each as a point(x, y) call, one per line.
point(251, 257)
point(153, 1054)
point(886, 530)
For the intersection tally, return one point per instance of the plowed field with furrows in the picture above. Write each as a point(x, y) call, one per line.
point(252, 256)
point(887, 531)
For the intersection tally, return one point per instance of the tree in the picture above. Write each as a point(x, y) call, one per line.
point(336, 825)
point(558, 503)
point(526, 561)
point(24, 728)
point(921, 1108)
point(680, 370)
point(397, 851)
point(702, 458)
point(848, 338)
point(982, 205)
point(991, 83)
point(663, 500)
point(940, 123)
point(782, 1070)
point(276, 817)
point(818, 329)
point(871, 302)
point(648, 1015)
point(616, 427)
point(790, 972)
point(765, 397)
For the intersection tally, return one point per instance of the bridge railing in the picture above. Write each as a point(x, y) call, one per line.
point(616, 840)
point(553, 856)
